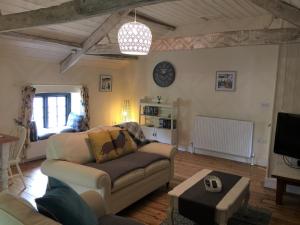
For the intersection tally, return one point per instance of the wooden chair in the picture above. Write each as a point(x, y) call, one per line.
point(15, 152)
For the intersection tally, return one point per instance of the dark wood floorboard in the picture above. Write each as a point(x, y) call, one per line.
point(152, 209)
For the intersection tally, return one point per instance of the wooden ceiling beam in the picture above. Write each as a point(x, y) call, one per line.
point(280, 9)
point(215, 40)
point(40, 40)
point(95, 37)
point(229, 39)
point(114, 56)
point(68, 12)
point(152, 21)
point(105, 49)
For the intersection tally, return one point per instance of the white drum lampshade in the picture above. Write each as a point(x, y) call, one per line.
point(134, 38)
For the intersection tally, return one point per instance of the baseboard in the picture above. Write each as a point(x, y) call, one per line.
point(263, 163)
point(182, 148)
point(258, 162)
point(185, 148)
point(271, 183)
point(221, 155)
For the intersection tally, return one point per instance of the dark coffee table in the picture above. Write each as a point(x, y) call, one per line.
point(233, 200)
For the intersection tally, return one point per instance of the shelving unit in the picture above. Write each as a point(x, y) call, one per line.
point(159, 121)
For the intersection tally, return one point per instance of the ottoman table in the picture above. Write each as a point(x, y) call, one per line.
point(237, 196)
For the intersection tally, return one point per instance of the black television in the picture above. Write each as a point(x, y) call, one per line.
point(287, 137)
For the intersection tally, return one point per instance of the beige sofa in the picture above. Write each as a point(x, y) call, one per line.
point(67, 153)
point(17, 211)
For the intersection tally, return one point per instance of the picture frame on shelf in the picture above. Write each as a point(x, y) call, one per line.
point(105, 83)
point(225, 81)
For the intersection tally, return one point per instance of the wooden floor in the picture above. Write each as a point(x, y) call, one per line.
point(152, 209)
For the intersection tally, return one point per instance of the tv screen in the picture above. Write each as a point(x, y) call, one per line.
point(287, 138)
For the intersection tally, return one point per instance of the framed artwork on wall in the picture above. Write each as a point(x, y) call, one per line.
point(105, 84)
point(225, 80)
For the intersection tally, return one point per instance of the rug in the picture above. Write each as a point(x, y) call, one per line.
point(245, 216)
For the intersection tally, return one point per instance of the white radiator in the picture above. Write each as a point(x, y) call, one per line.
point(225, 136)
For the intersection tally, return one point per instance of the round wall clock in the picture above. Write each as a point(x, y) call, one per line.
point(164, 74)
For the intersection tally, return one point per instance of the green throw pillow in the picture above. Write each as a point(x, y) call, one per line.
point(64, 205)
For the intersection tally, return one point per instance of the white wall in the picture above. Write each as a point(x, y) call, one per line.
point(105, 108)
point(195, 86)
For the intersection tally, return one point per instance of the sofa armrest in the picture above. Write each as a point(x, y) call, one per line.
point(77, 174)
point(14, 210)
point(166, 150)
point(95, 201)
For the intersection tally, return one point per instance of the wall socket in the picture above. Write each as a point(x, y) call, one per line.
point(262, 141)
point(265, 105)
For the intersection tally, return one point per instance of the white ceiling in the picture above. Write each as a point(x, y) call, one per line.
point(191, 17)
point(177, 13)
point(185, 12)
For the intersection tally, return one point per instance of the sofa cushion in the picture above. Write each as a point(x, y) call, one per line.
point(123, 165)
point(117, 220)
point(128, 179)
point(102, 146)
point(156, 166)
point(123, 142)
point(70, 147)
point(65, 205)
point(16, 211)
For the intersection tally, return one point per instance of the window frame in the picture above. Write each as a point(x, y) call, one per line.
point(45, 96)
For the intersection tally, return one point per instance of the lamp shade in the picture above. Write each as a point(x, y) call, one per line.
point(126, 111)
point(134, 38)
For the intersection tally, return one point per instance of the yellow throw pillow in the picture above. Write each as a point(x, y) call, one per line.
point(123, 142)
point(102, 146)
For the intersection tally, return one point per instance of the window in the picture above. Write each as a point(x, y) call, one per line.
point(76, 106)
point(51, 110)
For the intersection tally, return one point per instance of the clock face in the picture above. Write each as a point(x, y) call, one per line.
point(164, 74)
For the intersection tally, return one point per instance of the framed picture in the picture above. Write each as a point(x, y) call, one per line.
point(225, 80)
point(105, 84)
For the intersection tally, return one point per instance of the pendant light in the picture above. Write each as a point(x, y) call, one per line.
point(134, 38)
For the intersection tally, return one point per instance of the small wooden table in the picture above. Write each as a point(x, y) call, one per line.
point(4, 157)
point(284, 175)
point(281, 186)
point(233, 200)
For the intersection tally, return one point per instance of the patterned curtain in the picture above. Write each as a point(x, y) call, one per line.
point(85, 105)
point(24, 119)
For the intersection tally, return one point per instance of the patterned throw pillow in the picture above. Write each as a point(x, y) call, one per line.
point(102, 146)
point(123, 142)
point(75, 121)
